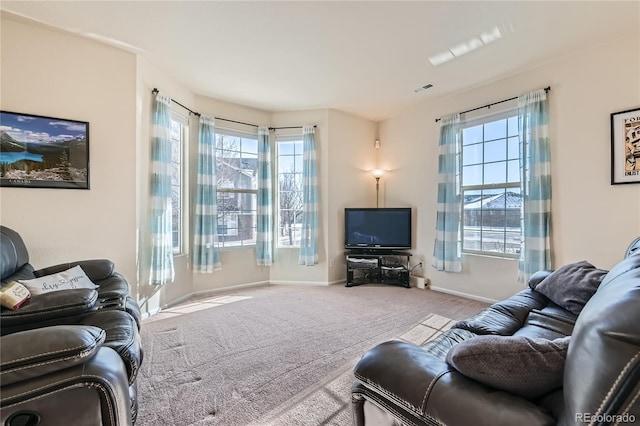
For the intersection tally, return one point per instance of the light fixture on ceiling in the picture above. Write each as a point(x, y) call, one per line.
point(376, 144)
point(473, 43)
point(422, 88)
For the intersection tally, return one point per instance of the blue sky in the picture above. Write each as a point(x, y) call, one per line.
point(28, 128)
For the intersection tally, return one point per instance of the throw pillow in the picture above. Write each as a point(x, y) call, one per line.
point(13, 295)
point(66, 280)
point(523, 366)
point(572, 285)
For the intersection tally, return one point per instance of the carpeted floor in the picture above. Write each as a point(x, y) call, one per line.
point(276, 355)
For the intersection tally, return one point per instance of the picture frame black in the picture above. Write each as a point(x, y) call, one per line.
point(625, 146)
point(38, 151)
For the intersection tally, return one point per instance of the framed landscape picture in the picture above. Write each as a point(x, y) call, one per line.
point(43, 152)
point(625, 146)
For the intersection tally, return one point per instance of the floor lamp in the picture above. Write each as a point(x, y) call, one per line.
point(377, 174)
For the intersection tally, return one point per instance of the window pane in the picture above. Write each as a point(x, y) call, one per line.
point(512, 125)
point(495, 173)
point(236, 168)
point(472, 219)
point(491, 215)
point(472, 154)
point(472, 135)
point(495, 130)
point(298, 164)
point(286, 163)
point(177, 134)
point(286, 148)
point(513, 168)
point(249, 145)
point(236, 219)
point(514, 148)
point(495, 151)
point(289, 192)
point(472, 175)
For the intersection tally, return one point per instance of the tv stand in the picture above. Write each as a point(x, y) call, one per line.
point(375, 266)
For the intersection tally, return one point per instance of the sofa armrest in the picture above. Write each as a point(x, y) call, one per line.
point(537, 277)
point(42, 351)
point(48, 307)
point(95, 392)
point(96, 269)
point(415, 382)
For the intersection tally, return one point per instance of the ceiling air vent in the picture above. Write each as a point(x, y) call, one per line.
point(422, 88)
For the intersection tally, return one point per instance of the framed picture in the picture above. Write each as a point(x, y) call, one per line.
point(43, 152)
point(625, 146)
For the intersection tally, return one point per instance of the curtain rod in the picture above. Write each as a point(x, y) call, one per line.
point(290, 127)
point(546, 89)
point(155, 90)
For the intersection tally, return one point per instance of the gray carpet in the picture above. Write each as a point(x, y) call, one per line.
point(267, 355)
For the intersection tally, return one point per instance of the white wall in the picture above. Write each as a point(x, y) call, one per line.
point(352, 157)
point(51, 73)
point(591, 219)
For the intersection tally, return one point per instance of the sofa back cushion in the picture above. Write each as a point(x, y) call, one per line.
point(602, 372)
point(13, 253)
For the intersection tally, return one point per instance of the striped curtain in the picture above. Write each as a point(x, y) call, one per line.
point(535, 178)
point(206, 255)
point(309, 234)
point(446, 250)
point(264, 240)
point(161, 267)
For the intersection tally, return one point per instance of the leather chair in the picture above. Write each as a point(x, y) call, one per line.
point(68, 357)
point(403, 384)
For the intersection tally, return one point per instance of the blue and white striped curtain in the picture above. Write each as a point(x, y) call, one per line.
point(535, 182)
point(264, 240)
point(161, 266)
point(446, 250)
point(206, 255)
point(309, 234)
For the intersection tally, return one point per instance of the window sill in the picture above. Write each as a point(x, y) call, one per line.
point(490, 256)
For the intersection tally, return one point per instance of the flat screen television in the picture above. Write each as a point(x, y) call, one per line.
point(377, 229)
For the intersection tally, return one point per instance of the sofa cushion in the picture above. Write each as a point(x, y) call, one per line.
point(517, 364)
point(67, 280)
point(572, 285)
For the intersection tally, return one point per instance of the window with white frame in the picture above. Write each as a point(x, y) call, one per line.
point(178, 138)
point(491, 194)
point(289, 164)
point(237, 185)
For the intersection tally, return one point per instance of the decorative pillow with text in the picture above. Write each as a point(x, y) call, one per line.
point(13, 295)
point(67, 280)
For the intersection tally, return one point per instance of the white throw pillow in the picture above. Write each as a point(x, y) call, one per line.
point(66, 280)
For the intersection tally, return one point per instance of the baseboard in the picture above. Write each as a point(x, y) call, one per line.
point(462, 294)
point(305, 283)
point(201, 293)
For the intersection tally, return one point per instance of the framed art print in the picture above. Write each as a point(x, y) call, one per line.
point(43, 152)
point(625, 146)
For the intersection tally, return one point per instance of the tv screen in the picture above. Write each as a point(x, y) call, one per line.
point(381, 228)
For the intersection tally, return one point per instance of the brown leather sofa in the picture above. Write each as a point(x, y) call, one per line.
point(68, 357)
point(403, 384)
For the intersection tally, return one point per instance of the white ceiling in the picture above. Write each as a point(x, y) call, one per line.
point(362, 57)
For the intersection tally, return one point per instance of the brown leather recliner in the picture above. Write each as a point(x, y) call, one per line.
point(403, 384)
point(68, 357)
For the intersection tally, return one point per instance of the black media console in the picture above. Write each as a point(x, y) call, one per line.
point(386, 267)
